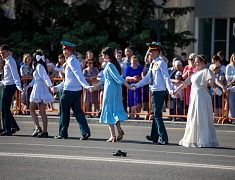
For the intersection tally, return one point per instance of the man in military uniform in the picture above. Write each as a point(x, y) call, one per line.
point(11, 82)
point(71, 94)
point(158, 80)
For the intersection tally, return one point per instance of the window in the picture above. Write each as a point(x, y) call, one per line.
point(220, 32)
point(231, 38)
point(204, 38)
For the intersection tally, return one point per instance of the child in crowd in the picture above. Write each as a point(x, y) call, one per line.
point(178, 99)
point(217, 97)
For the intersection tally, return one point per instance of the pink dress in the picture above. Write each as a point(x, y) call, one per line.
point(188, 88)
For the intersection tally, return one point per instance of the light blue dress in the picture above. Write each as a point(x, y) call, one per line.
point(112, 108)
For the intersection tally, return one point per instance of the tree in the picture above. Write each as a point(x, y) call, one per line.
point(90, 24)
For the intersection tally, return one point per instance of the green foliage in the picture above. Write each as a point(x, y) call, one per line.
point(90, 24)
point(176, 12)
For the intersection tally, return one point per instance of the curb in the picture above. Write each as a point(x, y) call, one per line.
point(130, 122)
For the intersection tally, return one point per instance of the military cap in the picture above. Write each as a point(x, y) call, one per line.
point(154, 46)
point(68, 45)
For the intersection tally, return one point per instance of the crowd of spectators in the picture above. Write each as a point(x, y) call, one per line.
point(133, 70)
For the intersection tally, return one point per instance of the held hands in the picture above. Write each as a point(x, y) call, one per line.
point(25, 88)
point(91, 88)
point(128, 86)
point(172, 93)
point(54, 89)
point(133, 87)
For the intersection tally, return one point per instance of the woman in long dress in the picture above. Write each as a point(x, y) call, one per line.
point(200, 131)
point(112, 107)
point(40, 94)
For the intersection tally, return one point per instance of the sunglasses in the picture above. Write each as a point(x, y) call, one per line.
point(89, 62)
point(217, 68)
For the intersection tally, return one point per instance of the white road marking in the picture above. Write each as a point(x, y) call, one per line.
point(104, 148)
point(123, 160)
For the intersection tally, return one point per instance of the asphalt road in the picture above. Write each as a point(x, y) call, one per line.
point(24, 157)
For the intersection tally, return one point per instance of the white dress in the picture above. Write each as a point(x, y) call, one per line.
point(41, 83)
point(200, 131)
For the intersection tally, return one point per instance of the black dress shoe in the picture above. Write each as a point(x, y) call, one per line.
point(4, 133)
point(1, 130)
point(14, 130)
point(150, 139)
point(36, 131)
point(61, 137)
point(43, 135)
point(119, 153)
point(163, 143)
point(85, 137)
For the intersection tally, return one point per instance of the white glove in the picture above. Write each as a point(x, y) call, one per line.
point(88, 87)
point(91, 89)
point(133, 87)
point(54, 89)
point(171, 93)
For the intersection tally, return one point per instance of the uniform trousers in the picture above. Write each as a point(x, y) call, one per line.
point(8, 120)
point(72, 99)
point(158, 130)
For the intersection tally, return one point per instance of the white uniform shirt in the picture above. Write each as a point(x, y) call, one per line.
point(74, 79)
point(11, 75)
point(161, 79)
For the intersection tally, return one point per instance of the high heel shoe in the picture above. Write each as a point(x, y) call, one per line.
point(43, 135)
point(112, 139)
point(36, 131)
point(119, 153)
point(120, 135)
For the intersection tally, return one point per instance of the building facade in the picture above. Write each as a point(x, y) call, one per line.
point(212, 23)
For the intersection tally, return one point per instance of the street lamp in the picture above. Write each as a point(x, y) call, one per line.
point(158, 10)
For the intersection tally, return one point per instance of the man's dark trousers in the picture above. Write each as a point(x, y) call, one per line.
point(72, 99)
point(158, 128)
point(7, 117)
